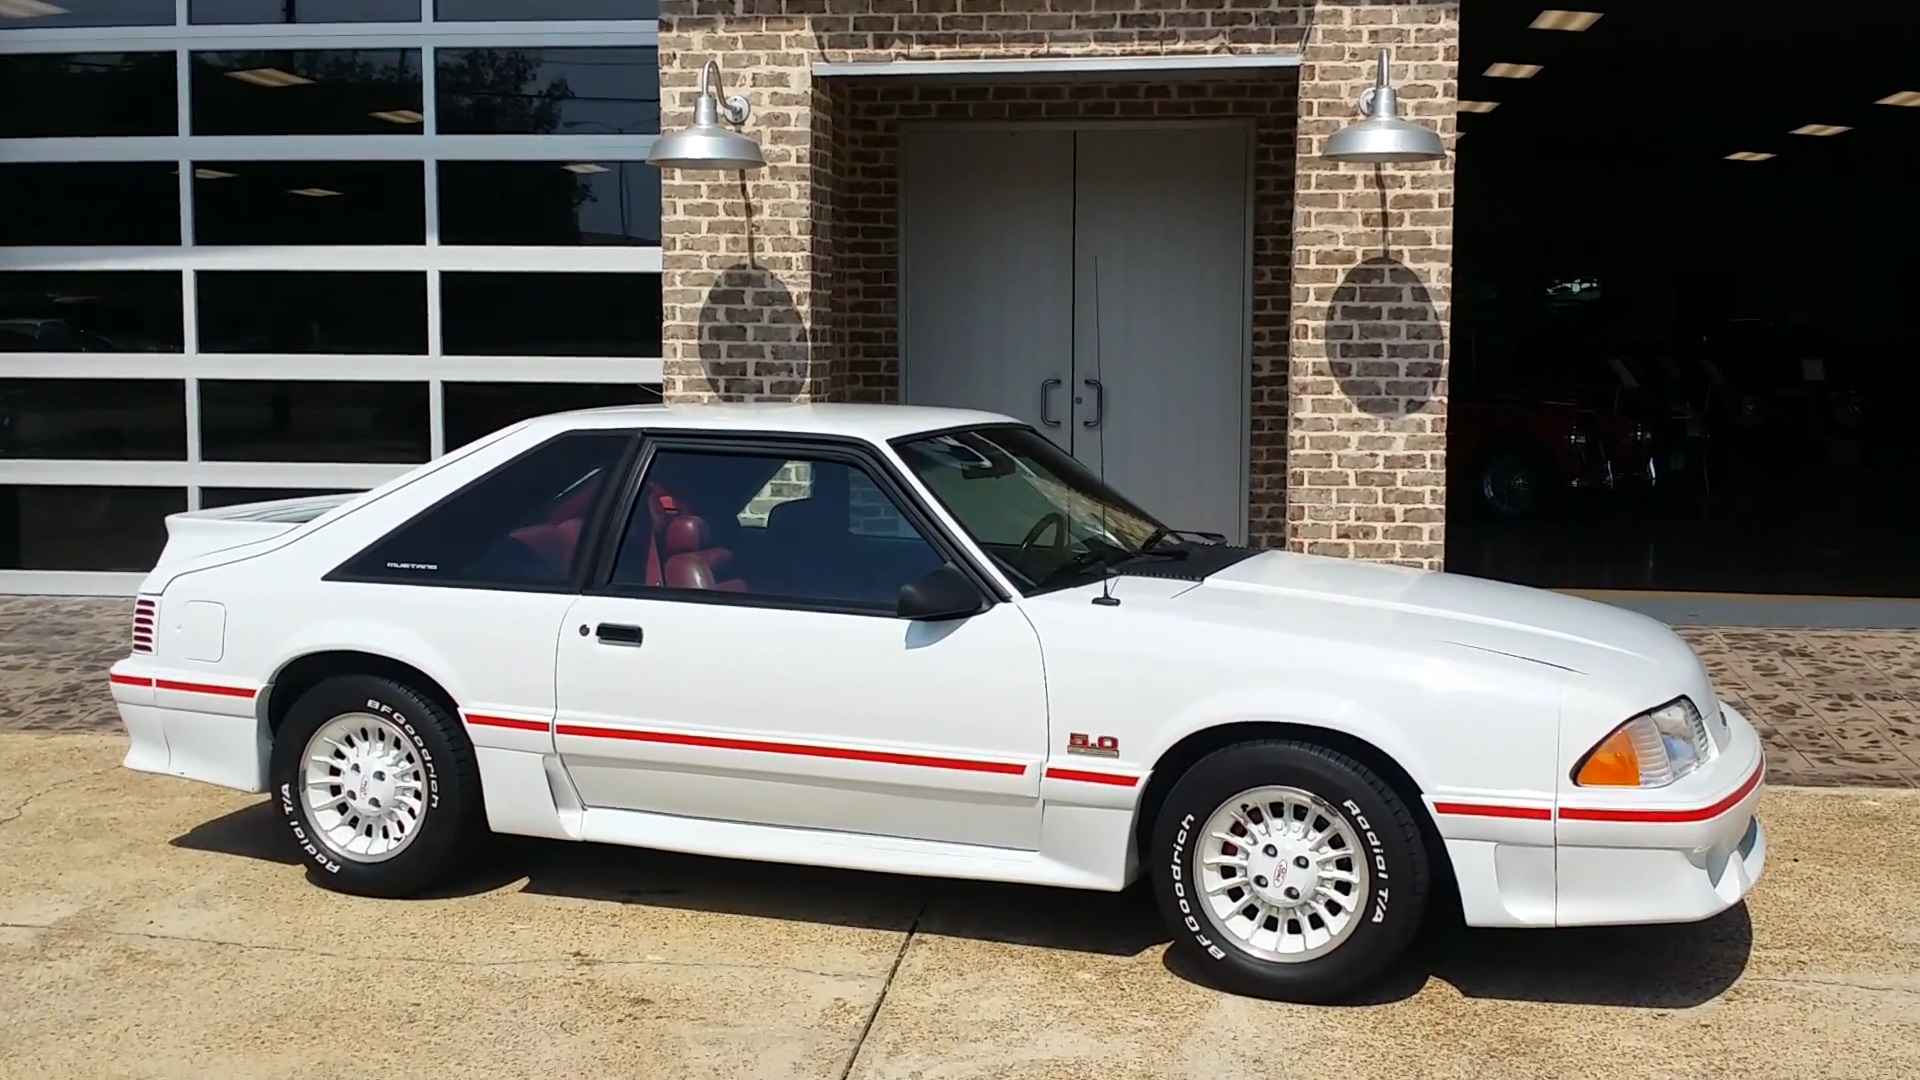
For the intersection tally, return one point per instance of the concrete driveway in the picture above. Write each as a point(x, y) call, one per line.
point(151, 927)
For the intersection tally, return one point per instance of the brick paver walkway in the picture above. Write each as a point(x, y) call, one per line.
point(1837, 707)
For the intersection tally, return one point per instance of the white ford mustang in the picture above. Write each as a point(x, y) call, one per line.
point(926, 641)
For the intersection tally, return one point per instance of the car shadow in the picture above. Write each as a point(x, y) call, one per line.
point(1658, 967)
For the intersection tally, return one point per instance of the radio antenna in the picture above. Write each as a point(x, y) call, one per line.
point(1105, 599)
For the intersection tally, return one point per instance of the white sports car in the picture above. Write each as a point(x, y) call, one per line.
point(927, 641)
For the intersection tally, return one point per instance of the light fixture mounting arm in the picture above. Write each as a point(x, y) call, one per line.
point(712, 94)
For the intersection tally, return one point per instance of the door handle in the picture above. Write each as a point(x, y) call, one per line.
point(1099, 403)
point(618, 634)
point(1046, 389)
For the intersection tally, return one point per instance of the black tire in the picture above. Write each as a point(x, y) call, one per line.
point(455, 819)
point(1512, 485)
point(1391, 913)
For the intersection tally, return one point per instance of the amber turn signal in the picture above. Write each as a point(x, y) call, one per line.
point(1614, 763)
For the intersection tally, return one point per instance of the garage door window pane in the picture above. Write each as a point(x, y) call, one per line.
point(548, 91)
point(515, 10)
point(90, 311)
point(90, 203)
point(36, 14)
point(93, 419)
point(85, 528)
point(313, 311)
point(520, 527)
point(551, 314)
point(307, 92)
point(550, 203)
point(80, 94)
point(302, 11)
point(215, 498)
point(475, 410)
point(313, 421)
point(309, 202)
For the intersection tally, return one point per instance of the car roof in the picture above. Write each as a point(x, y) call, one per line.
point(876, 423)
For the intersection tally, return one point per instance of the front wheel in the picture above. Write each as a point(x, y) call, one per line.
point(1289, 871)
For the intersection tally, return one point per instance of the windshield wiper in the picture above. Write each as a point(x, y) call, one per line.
point(1112, 558)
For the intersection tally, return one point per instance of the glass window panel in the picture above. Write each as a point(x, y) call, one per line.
point(85, 528)
point(302, 11)
point(98, 202)
point(214, 498)
point(608, 91)
point(71, 95)
point(90, 311)
point(34, 14)
point(262, 420)
point(313, 311)
point(587, 314)
point(307, 92)
point(550, 203)
point(94, 419)
point(309, 202)
point(515, 10)
point(475, 410)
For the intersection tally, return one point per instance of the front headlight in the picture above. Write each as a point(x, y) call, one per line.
point(1651, 750)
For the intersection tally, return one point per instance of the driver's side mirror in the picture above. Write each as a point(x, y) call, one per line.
point(944, 594)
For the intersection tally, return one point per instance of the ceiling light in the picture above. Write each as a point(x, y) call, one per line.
point(584, 168)
point(210, 174)
point(1908, 98)
point(399, 116)
point(1554, 19)
point(312, 192)
point(28, 9)
point(1748, 155)
point(1479, 106)
point(268, 77)
point(1513, 71)
point(1820, 129)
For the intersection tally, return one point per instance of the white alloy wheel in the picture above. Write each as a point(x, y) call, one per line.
point(1282, 874)
point(364, 789)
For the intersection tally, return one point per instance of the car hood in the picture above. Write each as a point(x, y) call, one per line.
point(1438, 612)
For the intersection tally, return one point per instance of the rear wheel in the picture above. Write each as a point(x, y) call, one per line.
point(379, 786)
point(1287, 870)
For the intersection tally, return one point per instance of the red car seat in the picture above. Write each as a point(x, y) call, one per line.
point(692, 562)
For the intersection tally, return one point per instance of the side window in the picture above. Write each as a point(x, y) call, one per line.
point(520, 526)
point(816, 530)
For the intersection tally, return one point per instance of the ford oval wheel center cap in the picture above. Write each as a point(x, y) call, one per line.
point(1290, 869)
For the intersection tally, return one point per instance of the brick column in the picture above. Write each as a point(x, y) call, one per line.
point(1372, 274)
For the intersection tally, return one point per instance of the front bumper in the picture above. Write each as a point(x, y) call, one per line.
point(191, 728)
point(1680, 854)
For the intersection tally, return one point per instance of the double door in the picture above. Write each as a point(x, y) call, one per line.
point(1093, 282)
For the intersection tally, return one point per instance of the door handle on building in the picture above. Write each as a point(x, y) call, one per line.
point(1046, 389)
point(1099, 403)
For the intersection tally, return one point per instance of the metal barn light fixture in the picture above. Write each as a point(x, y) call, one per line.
point(1383, 137)
point(705, 144)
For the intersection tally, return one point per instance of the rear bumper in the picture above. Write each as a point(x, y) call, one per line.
point(192, 729)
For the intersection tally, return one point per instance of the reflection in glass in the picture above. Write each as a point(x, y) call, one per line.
point(90, 311)
point(98, 202)
point(307, 92)
point(80, 94)
point(85, 528)
point(34, 14)
point(612, 91)
point(556, 203)
point(309, 202)
point(517, 10)
point(302, 11)
point(475, 410)
point(313, 311)
point(562, 314)
point(214, 498)
point(94, 419)
point(313, 421)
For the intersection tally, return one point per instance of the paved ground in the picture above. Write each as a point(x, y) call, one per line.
point(1837, 707)
point(156, 928)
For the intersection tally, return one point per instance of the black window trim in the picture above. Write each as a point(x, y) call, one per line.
point(592, 532)
point(856, 452)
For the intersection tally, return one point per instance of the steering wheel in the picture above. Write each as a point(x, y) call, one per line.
point(1055, 519)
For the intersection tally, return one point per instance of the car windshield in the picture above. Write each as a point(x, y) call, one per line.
point(1042, 516)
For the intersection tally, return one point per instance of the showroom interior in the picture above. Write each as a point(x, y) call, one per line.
point(1692, 220)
